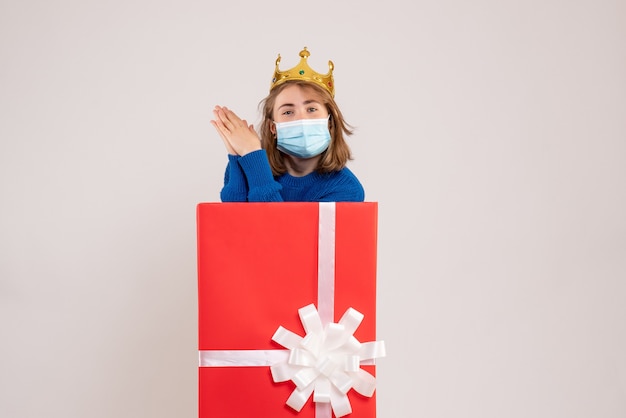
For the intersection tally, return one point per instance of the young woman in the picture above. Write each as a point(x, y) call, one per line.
point(301, 153)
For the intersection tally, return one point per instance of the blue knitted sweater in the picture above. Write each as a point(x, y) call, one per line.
point(249, 179)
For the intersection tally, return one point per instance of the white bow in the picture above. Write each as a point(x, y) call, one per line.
point(326, 362)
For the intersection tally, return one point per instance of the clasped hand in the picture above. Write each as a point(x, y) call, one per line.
point(238, 137)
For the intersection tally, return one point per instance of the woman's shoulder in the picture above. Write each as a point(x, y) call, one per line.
point(345, 174)
point(346, 186)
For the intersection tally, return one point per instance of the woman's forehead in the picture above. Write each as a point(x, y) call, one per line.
point(297, 94)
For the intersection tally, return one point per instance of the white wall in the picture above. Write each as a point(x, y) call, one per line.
point(492, 134)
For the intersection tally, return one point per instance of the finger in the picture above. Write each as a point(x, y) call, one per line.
point(228, 119)
point(232, 117)
point(222, 130)
point(222, 120)
point(219, 130)
point(217, 110)
point(229, 147)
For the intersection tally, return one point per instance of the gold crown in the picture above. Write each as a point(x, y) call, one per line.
point(302, 71)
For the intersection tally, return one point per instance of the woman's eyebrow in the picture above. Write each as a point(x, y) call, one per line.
point(306, 102)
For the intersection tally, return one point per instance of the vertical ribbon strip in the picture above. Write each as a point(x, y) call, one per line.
point(326, 263)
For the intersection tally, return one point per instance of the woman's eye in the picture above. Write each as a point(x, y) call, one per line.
point(287, 112)
point(312, 109)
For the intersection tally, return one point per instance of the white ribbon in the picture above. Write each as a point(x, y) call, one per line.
point(326, 362)
point(242, 358)
point(326, 262)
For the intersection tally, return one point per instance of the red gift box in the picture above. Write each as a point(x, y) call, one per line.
point(257, 266)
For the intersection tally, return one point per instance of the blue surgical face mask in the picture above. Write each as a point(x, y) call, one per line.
point(304, 138)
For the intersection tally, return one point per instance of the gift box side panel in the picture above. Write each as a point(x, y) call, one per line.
point(234, 293)
point(356, 263)
point(242, 392)
point(356, 245)
point(257, 265)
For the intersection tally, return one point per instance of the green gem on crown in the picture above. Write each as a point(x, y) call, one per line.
point(301, 72)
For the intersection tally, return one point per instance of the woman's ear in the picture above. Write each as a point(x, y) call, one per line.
point(272, 127)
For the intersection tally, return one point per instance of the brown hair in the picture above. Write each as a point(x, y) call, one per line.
point(338, 152)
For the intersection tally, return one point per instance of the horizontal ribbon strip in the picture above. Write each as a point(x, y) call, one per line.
point(242, 358)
